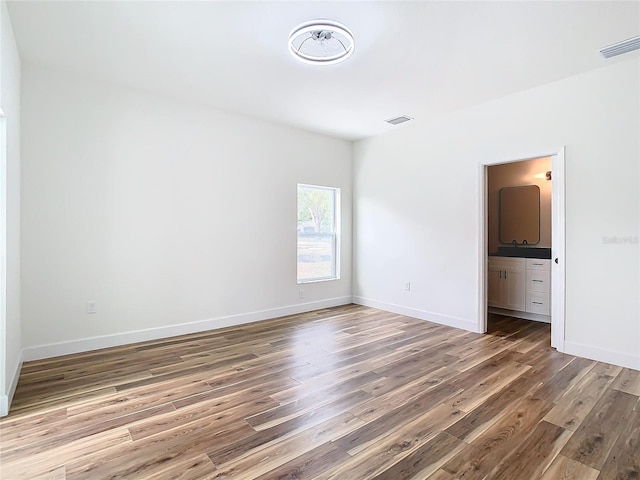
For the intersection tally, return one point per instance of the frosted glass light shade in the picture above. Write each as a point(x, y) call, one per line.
point(321, 42)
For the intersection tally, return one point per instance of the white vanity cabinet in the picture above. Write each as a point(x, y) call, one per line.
point(507, 283)
point(520, 287)
point(538, 287)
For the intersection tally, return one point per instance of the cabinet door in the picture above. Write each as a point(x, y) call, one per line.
point(515, 294)
point(494, 281)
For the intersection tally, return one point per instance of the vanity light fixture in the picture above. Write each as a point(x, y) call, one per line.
point(321, 42)
point(546, 175)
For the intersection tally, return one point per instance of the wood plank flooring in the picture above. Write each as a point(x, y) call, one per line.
point(342, 393)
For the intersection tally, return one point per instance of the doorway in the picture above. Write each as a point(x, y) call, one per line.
point(556, 263)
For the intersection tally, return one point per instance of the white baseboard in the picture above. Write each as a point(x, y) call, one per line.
point(125, 338)
point(602, 355)
point(16, 376)
point(468, 325)
point(5, 400)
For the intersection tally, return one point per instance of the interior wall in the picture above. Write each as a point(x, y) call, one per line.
point(162, 213)
point(417, 219)
point(10, 105)
point(512, 175)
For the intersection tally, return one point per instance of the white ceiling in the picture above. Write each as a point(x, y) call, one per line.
point(421, 59)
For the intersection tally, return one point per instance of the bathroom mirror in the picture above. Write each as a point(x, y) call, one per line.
point(519, 219)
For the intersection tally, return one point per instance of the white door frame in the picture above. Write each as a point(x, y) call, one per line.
point(557, 241)
point(4, 393)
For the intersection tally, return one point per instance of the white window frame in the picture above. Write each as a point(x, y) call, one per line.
point(335, 232)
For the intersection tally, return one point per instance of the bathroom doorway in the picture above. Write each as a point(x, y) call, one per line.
point(522, 241)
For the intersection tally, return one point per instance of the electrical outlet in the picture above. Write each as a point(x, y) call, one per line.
point(300, 293)
point(91, 307)
point(407, 286)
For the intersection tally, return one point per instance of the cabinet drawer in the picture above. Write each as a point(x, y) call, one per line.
point(538, 281)
point(538, 303)
point(507, 262)
point(538, 264)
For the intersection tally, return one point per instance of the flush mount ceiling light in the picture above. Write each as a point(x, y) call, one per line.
point(321, 42)
point(619, 48)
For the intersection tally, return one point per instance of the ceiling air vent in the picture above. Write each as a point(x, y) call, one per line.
point(621, 47)
point(398, 120)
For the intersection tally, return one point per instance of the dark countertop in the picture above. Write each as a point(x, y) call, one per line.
point(522, 252)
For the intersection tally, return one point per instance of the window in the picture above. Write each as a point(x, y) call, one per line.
point(318, 232)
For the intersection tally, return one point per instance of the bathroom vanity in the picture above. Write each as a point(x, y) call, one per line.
point(520, 287)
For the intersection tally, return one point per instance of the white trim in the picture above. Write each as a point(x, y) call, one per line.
point(558, 226)
point(483, 248)
point(5, 400)
point(455, 322)
point(558, 246)
point(4, 393)
point(14, 383)
point(602, 355)
point(94, 343)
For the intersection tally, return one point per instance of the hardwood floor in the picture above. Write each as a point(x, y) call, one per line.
point(343, 393)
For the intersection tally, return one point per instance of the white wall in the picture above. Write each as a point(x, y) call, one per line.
point(161, 212)
point(10, 334)
point(416, 211)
